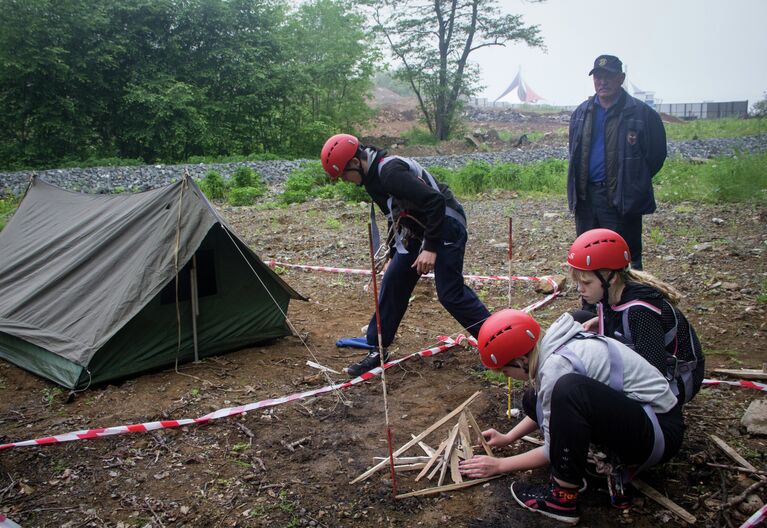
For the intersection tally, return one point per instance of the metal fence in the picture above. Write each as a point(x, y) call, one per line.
point(704, 110)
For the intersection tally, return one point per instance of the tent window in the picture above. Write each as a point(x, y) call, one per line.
point(206, 280)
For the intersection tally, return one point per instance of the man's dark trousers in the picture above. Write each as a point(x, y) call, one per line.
point(596, 211)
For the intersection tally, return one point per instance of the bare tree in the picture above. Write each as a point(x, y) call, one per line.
point(432, 41)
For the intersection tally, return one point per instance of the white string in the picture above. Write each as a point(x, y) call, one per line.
point(285, 315)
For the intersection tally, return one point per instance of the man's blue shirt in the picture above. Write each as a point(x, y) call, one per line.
point(597, 153)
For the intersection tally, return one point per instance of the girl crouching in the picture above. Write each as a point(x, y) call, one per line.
point(588, 389)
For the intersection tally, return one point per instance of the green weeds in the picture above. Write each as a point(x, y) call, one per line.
point(419, 136)
point(737, 179)
point(716, 128)
point(50, 395)
point(243, 188)
point(545, 177)
point(8, 206)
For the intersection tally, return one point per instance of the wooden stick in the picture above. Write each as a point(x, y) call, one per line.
point(532, 440)
point(437, 467)
point(663, 501)
point(737, 468)
point(749, 374)
point(473, 423)
point(447, 487)
point(463, 428)
point(421, 436)
point(455, 473)
point(409, 467)
point(433, 459)
point(448, 453)
point(426, 448)
point(742, 496)
point(734, 454)
point(406, 460)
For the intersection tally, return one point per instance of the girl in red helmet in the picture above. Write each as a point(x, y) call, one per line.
point(637, 309)
point(427, 233)
point(587, 389)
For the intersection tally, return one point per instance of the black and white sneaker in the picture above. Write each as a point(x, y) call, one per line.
point(369, 362)
point(551, 500)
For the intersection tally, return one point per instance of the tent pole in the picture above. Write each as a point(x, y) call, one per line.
point(195, 305)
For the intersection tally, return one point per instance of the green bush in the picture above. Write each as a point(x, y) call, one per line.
point(213, 186)
point(349, 192)
point(304, 183)
point(239, 196)
point(244, 177)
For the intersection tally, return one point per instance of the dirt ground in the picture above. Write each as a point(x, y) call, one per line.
point(291, 465)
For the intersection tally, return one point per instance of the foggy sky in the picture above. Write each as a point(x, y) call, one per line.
point(683, 50)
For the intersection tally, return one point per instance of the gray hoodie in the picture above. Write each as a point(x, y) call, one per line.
point(641, 381)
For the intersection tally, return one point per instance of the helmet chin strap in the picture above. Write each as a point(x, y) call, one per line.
point(605, 286)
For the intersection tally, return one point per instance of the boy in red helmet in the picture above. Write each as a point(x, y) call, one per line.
point(587, 389)
point(637, 309)
point(427, 233)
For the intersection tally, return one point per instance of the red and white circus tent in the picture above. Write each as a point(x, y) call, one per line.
point(524, 92)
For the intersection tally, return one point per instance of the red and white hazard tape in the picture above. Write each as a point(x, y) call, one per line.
point(740, 383)
point(233, 411)
point(354, 271)
point(480, 278)
point(756, 519)
point(5, 522)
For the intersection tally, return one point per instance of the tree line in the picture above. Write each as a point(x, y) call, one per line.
point(171, 80)
point(166, 80)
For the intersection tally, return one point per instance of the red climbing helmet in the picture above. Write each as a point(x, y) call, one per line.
point(337, 152)
point(599, 249)
point(506, 335)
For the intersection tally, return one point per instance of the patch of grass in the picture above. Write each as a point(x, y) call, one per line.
point(737, 179)
point(762, 296)
point(684, 208)
point(59, 466)
point(234, 158)
point(102, 162)
point(242, 196)
point(716, 128)
point(545, 177)
point(333, 223)
point(656, 236)
point(240, 447)
point(310, 181)
point(731, 355)
point(8, 206)
point(419, 136)
point(50, 394)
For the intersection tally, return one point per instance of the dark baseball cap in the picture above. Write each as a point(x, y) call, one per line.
point(609, 63)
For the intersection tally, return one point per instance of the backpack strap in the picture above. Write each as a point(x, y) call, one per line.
point(675, 369)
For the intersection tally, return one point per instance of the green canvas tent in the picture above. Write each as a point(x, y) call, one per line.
point(88, 288)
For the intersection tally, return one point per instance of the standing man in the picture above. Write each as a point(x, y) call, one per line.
point(617, 144)
point(427, 233)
